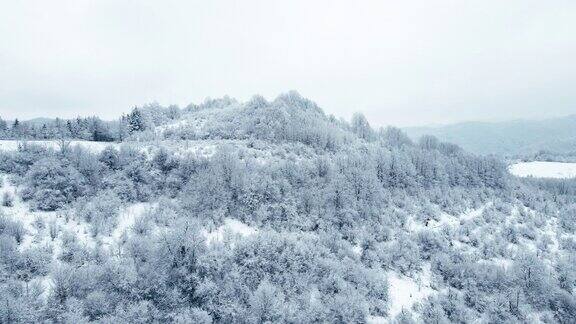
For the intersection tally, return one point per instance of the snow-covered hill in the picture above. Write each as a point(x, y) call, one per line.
point(275, 212)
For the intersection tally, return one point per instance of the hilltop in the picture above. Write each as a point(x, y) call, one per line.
point(273, 211)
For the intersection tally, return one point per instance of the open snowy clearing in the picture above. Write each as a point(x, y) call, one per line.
point(540, 169)
point(404, 293)
point(96, 147)
point(232, 227)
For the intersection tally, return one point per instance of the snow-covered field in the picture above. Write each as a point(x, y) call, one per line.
point(230, 227)
point(539, 169)
point(199, 148)
point(12, 145)
point(404, 293)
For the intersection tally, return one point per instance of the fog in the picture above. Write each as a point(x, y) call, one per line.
point(404, 63)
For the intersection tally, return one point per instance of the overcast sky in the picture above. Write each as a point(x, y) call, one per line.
point(408, 62)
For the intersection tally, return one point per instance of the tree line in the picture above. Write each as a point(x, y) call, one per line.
point(88, 128)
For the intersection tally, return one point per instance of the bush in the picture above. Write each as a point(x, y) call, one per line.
point(7, 199)
point(12, 228)
point(96, 305)
point(34, 262)
point(567, 217)
point(52, 184)
point(72, 251)
point(142, 225)
point(53, 229)
point(192, 315)
point(110, 157)
point(101, 212)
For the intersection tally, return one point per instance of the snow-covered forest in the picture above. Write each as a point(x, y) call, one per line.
point(258, 211)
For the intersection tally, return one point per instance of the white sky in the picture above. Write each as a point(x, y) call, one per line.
point(406, 62)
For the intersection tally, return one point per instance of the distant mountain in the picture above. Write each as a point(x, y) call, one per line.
point(35, 121)
point(40, 121)
point(518, 137)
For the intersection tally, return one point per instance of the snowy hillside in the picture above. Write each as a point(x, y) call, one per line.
point(262, 211)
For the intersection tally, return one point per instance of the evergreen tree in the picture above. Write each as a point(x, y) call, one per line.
point(44, 132)
point(100, 133)
point(16, 128)
point(136, 121)
point(3, 128)
point(123, 128)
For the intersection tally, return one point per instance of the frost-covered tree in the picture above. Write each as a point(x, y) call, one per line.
point(52, 184)
point(361, 127)
point(136, 122)
point(328, 214)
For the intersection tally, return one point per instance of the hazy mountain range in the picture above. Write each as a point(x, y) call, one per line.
point(517, 137)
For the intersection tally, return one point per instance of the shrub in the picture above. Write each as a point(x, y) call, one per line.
point(7, 199)
point(141, 225)
point(567, 217)
point(110, 157)
point(52, 184)
point(101, 212)
point(53, 229)
point(12, 228)
point(192, 315)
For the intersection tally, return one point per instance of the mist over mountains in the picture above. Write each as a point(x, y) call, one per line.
point(507, 138)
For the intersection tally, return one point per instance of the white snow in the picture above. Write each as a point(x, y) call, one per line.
point(446, 219)
point(232, 226)
point(502, 262)
point(405, 291)
point(540, 169)
point(126, 220)
point(34, 235)
point(39, 236)
point(199, 148)
point(95, 147)
point(175, 125)
point(20, 211)
point(376, 320)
